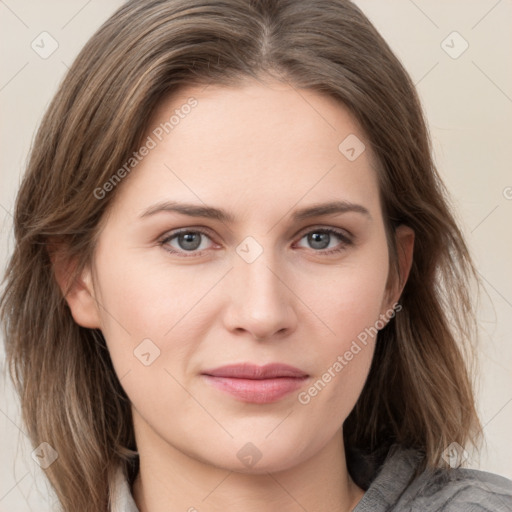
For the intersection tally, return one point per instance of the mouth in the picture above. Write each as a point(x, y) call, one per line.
point(256, 384)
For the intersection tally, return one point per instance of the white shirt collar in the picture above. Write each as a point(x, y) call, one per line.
point(121, 499)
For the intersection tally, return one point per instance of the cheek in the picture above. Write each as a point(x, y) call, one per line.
point(350, 298)
point(135, 306)
point(151, 329)
point(350, 309)
point(343, 360)
point(154, 317)
point(143, 294)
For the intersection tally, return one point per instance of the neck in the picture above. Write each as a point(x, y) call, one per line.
point(170, 480)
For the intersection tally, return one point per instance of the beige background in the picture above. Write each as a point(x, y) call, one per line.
point(468, 102)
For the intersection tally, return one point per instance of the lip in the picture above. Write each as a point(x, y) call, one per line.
point(256, 384)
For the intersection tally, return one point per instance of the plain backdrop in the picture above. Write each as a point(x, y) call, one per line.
point(458, 54)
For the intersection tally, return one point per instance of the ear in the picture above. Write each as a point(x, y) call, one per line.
point(404, 240)
point(78, 290)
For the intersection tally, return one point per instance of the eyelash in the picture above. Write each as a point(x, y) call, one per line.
point(345, 241)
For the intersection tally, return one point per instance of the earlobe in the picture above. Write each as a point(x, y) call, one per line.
point(78, 290)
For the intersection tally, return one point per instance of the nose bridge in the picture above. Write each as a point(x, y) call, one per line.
point(261, 303)
point(260, 284)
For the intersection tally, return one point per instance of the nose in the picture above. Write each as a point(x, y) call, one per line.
point(260, 300)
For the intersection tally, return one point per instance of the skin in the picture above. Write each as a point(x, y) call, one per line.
point(261, 152)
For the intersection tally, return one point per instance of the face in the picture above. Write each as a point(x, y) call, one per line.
point(248, 273)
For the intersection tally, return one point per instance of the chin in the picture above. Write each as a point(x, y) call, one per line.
point(258, 458)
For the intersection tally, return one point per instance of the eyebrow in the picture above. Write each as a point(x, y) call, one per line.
point(210, 212)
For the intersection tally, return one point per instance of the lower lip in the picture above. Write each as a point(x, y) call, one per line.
point(261, 391)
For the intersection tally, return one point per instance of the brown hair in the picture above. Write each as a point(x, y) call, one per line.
point(418, 392)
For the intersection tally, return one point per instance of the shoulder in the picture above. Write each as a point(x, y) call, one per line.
point(453, 490)
point(394, 488)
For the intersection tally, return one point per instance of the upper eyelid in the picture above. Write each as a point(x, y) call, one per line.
point(178, 231)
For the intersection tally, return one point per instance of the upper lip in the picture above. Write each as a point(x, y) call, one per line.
point(252, 371)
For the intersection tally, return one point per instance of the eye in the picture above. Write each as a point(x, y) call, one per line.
point(185, 241)
point(194, 241)
point(321, 238)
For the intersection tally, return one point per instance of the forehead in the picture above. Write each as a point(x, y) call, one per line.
point(267, 145)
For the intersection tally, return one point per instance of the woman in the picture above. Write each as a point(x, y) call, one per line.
point(246, 287)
